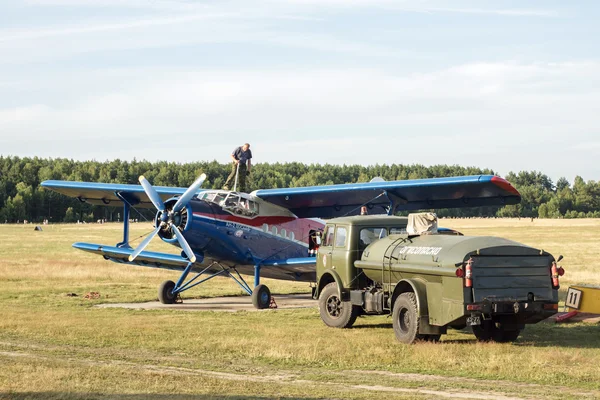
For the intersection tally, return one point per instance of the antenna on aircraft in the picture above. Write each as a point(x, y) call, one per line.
point(165, 217)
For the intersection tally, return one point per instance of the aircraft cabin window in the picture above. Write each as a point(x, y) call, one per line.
point(292, 236)
point(283, 233)
point(340, 236)
point(265, 227)
point(274, 230)
point(329, 231)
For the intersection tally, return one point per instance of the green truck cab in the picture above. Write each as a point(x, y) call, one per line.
point(430, 279)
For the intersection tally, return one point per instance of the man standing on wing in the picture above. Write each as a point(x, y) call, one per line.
point(241, 164)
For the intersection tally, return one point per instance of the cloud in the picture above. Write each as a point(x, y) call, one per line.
point(472, 114)
point(460, 7)
point(18, 35)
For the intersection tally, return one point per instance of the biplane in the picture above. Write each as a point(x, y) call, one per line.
point(268, 233)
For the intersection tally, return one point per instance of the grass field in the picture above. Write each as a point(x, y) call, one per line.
point(58, 346)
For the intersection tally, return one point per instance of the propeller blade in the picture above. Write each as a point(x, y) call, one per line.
point(189, 193)
point(143, 245)
point(184, 244)
point(152, 194)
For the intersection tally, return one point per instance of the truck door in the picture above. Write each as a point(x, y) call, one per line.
point(325, 250)
point(341, 257)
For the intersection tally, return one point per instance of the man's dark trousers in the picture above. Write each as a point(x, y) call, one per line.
point(241, 184)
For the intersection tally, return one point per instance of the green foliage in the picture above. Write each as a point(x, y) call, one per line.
point(21, 197)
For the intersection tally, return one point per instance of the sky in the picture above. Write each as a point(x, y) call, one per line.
point(505, 85)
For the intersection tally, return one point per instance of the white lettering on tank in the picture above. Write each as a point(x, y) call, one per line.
point(430, 251)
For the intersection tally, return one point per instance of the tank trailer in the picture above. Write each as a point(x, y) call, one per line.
point(430, 279)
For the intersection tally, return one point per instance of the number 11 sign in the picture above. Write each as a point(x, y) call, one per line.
point(573, 298)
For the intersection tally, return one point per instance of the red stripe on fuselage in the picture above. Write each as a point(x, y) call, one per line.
point(255, 222)
point(300, 226)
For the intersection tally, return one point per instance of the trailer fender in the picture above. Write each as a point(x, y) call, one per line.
point(329, 275)
point(419, 288)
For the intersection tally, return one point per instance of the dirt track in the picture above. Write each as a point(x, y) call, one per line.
point(419, 385)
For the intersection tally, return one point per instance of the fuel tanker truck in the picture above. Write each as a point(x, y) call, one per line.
point(430, 279)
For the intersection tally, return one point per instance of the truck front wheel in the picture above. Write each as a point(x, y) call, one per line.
point(334, 311)
point(405, 318)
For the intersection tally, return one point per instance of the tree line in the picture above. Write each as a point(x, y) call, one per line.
point(22, 198)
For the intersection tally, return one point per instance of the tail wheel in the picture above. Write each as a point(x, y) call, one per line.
point(405, 319)
point(490, 331)
point(336, 312)
point(165, 292)
point(261, 297)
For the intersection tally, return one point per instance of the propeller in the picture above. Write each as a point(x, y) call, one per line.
point(154, 197)
point(143, 245)
point(166, 217)
point(189, 193)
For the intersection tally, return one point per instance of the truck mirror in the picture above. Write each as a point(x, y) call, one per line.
point(559, 258)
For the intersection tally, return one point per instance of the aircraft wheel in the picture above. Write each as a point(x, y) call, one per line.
point(165, 292)
point(405, 318)
point(334, 311)
point(261, 297)
point(490, 331)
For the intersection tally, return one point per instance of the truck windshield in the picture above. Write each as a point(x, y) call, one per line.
point(340, 238)
point(329, 231)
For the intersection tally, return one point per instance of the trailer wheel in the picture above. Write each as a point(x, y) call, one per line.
point(334, 311)
point(405, 318)
point(490, 331)
point(165, 292)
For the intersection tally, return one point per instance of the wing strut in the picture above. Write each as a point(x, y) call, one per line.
point(126, 209)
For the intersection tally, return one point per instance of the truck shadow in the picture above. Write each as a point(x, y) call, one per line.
point(574, 335)
point(374, 326)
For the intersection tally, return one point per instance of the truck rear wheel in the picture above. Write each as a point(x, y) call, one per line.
point(405, 318)
point(490, 331)
point(334, 311)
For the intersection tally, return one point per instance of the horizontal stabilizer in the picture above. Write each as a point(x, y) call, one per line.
point(105, 194)
point(331, 201)
point(145, 258)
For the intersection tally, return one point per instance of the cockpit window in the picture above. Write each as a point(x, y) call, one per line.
point(232, 202)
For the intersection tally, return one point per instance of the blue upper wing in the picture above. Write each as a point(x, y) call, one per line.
point(105, 194)
point(339, 200)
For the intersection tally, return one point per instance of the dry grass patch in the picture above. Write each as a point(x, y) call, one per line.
point(38, 269)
